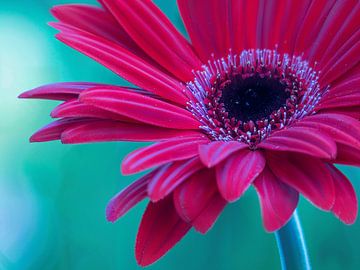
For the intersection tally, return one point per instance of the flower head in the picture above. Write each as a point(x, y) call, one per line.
point(266, 94)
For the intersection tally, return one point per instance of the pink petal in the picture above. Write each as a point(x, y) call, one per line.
point(198, 201)
point(98, 22)
point(126, 199)
point(353, 112)
point(336, 126)
point(330, 23)
point(347, 87)
point(341, 101)
point(142, 108)
point(313, 22)
point(278, 26)
point(160, 229)
point(105, 131)
point(54, 130)
point(346, 205)
point(346, 32)
point(302, 140)
point(213, 153)
point(59, 91)
point(74, 108)
point(204, 21)
point(156, 35)
point(170, 175)
point(123, 63)
point(348, 50)
point(278, 200)
point(307, 175)
point(347, 155)
point(161, 153)
point(235, 174)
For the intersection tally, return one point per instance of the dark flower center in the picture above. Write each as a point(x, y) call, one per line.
point(253, 98)
point(246, 97)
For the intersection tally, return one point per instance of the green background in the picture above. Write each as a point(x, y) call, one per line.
point(53, 196)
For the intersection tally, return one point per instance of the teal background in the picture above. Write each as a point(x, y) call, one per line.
point(53, 196)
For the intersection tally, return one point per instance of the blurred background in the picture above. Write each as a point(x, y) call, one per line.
point(53, 196)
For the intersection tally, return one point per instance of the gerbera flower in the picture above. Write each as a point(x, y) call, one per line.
point(267, 93)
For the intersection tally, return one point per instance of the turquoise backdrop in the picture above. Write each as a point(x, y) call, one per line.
point(53, 196)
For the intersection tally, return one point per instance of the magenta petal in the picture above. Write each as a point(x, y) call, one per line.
point(161, 153)
point(160, 229)
point(140, 107)
point(278, 200)
point(74, 108)
point(302, 140)
point(156, 35)
point(213, 153)
point(59, 91)
point(96, 21)
point(128, 198)
point(198, 201)
point(123, 63)
point(347, 155)
point(336, 126)
point(346, 205)
point(169, 176)
point(235, 174)
point(340, 101)
point(54, 130)
point(106, 130)
point(346, 87)
point(309, 176)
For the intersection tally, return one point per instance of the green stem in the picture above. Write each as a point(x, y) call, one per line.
point(291, 244)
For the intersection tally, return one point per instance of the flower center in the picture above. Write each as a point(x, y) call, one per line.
point(252, 98)
point(247, 96)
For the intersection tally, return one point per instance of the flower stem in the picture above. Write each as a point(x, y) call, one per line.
point(291, 244)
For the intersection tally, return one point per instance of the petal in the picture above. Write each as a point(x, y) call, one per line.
point(54, 130)
point(340, 128)
point(313, 22)
point(278, 26)
point(348, 29)
point(347, 155)
point(99, 22)
point(160, 229)
point(347, 87)
point(169, 176)
point(342, 60)
point(161, 153)
point(236, 173)
point(213, 153)
point(74, 108)
point(353, 112)
point(307, 175)
point(126, 199)
point(59, 91)
point(278, 200)
point(198, 201)
point(206, 23)
point(330, 24)
point(346, 205)
point(302, 140)
point(123, 63)
point(142, 108)
point(105, 131)
point(156, 35)
point(340, 101)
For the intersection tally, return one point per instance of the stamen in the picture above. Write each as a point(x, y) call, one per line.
point(286, 90)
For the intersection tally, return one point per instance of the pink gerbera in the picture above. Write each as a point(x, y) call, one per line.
point(266, 94)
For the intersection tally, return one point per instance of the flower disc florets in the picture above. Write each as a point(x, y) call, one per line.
point(247, 96)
